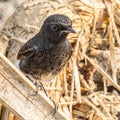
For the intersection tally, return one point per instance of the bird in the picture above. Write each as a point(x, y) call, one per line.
point(45, 55)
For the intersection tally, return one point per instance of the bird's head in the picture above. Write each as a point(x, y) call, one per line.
point(56, 28)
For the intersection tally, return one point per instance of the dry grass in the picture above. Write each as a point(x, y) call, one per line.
point(88, 87)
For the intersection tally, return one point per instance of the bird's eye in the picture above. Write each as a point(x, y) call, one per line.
point(54, 27)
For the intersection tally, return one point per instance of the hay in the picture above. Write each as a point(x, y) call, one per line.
point(85, 87)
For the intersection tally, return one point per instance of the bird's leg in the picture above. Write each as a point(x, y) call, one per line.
point(55, 106)
point(41, 86)
point(30, 79)
point(36, 83)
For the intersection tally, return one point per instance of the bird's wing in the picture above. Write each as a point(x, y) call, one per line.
point(27, 51)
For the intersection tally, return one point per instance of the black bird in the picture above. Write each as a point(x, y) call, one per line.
point(44, 55)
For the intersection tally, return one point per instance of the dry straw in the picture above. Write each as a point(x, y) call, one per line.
point(88, 87)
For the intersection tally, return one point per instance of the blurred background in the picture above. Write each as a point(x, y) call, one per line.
point(7, 7)
point(95, 62)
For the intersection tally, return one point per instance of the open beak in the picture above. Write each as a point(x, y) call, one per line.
point(69, 30)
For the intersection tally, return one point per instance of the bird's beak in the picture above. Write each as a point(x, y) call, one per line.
point(69, 30)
